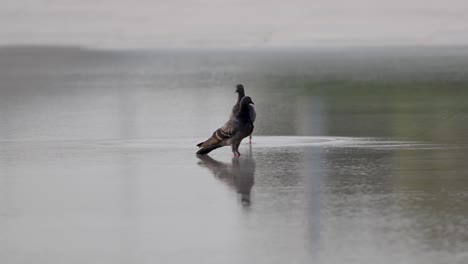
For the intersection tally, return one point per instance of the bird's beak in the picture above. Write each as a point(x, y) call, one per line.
point(252, 102)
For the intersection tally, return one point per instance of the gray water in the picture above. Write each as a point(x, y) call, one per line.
point(358, 156)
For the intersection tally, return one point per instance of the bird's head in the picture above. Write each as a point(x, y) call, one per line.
point(240, 89)
point(246, 101)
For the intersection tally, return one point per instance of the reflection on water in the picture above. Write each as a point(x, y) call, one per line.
point(240, 174)
point(359, 157)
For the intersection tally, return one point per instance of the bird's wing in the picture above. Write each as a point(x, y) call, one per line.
point(225, 132)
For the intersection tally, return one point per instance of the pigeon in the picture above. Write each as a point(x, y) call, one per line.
point(241, 93)
point(232, 132)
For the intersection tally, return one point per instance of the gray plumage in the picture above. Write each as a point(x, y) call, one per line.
point(252, 113)
point(241, 94)
point(232, 132)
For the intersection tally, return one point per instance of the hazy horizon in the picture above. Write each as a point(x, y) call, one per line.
point(125, 24)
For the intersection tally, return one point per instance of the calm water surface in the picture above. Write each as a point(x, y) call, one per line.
point(357, 157)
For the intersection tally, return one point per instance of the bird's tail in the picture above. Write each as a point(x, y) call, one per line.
point(207, 149)
point(200, 144)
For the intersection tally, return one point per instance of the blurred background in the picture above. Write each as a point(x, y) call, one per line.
point(358, 155)
point(234, 24)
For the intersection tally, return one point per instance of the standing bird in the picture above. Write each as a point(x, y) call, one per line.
point(232, 132)
point(241, 94)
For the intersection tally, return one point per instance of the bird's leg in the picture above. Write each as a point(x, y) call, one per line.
point(235, 149)
point(250, 139)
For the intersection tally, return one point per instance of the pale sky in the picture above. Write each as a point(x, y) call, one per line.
point(233, 23)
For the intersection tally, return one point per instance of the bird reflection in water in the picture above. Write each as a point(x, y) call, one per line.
point(239, 174)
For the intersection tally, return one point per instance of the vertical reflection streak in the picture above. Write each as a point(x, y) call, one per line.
point(311, 120)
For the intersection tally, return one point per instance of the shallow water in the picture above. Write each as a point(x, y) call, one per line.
point(347, 165)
